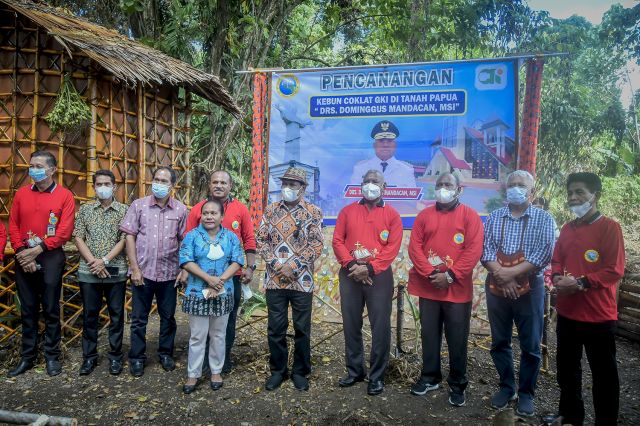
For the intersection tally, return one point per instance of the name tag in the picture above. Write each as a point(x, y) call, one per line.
point(51, 231)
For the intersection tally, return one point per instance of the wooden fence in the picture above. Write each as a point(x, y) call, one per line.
point(629, 307)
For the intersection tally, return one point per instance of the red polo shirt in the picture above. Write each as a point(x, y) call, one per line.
point(33, 211)
point(3, 240)
point(378, 230)
point(454, 236)
point(236, 218)
point(595, 251)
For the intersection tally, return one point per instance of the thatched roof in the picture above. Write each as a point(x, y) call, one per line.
point(126, 59)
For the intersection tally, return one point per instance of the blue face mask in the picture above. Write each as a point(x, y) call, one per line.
point(160, 190)
point(38, 175)
point(516, 195)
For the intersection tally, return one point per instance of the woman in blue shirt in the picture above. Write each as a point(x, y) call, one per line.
point(212, 255)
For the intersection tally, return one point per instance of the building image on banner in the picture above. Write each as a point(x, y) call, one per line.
point(410, 122)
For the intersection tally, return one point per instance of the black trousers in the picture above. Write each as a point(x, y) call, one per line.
point(377, 297)
point(454, 318)
point(278, 320)
point(233, 316)
point(165, 294)
point(42, 287)
point(599, 344)
point(92, 294)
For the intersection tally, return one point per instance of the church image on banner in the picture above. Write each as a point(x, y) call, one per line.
point(484, 151)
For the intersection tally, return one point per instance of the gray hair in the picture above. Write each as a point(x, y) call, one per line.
point(374, 172)
point(523, 174)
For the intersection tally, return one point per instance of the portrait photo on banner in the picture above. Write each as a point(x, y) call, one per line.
point(410, 122)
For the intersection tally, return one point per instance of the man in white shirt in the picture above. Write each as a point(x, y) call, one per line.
point(396, 173)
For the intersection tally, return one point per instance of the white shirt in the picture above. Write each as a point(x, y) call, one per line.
point(397, 173)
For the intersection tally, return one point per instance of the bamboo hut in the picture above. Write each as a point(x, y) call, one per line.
point(139, 101)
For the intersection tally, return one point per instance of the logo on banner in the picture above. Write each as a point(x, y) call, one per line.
point(288, 85)
point(389, 194)
point(491, 77)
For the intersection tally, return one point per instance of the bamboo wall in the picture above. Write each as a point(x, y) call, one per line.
point(629, 307)
point(134, 130)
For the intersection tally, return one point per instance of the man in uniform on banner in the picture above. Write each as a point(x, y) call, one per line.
point(445, 247)
point(396, 173)
point(290, 240)
point(366, 241)
point(238, 220)
point(587, 265)
point(40, 223)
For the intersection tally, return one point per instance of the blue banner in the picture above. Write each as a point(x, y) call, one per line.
point(410, 122)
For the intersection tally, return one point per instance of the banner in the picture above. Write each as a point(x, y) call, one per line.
point(410, 122)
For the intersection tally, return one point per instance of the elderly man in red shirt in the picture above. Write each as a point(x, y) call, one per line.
point(445, 246)
point(366, 241)
point(40, 223)
point(238, 220)
point(587, 265)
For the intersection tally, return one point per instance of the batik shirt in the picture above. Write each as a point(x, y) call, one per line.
point(290, 236)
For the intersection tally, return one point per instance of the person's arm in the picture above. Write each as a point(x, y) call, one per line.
point(64, 230)
point(263, 240)
point(248, 243)
point(3, 240)
point(313, 247)
point(342, 253)
point(388, 252)
point(14, 224)
point(130, 226)
point(416, 241)
point(472, 250)
point(193, 219)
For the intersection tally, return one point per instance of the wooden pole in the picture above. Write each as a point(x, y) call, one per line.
point(19, 418)
point(93, 135)
point(141, 142)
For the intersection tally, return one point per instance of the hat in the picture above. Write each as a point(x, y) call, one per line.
point(385, 130)
point(294, 173)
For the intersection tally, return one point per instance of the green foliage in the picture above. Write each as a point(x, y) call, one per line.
point(69, 111)
point(621, 198)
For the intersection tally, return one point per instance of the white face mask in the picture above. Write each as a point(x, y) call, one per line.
point(289, 195)
point(444, 195)
point(215, 252)
point(582, 209)
point(371, 191)
point(104, 192)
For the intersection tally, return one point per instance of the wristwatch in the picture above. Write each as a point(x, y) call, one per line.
point(583, 283)
point(106, 261)
point(448, 277)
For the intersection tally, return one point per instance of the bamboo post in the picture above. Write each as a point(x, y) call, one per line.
point(142, 171)
point(187, 143)
point(20, 418)
point(545, 334)
point(93, 135)
point(399, 319)
point(36, 92)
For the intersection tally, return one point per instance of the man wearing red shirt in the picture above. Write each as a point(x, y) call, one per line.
point(445, 246)
point(587, 265)
point(366, 241)
point(40, 223)
point(238, 220)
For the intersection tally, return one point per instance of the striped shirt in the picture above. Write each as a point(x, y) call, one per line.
point(537, 242)
point(158, 231)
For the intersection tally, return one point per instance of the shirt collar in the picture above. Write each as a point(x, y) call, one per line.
point(97, 204)
point(527, 212)
point(154, 202)
point(440, 207)
point(380, 202)
point(50, 189)
point(580, 222)
point(300, 204)
point(388, 160)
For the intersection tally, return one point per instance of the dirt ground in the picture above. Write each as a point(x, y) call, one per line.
point(156, 398)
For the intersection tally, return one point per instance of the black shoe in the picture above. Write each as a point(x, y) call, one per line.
point(54, 367)
point(456, 398)
point(421, 387)
point(22, 367)
point(274, 381)
point(115, 367)
point(300, 382)
point(167, 363)
point(375, 387)
point(216, 385)
point(187, 389)
point(136, 368)
point(349, 381)
point(88, 365)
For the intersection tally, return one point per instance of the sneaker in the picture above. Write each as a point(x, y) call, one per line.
point(457, 399)
point(420, 387)
point(525, 406)
point(502, 398)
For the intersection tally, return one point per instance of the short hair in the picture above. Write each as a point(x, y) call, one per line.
point(49, 157)
point(172, 173)
point(523, 174)
point(103, 172)
point(591, 180)
point(216, 202)
point(455, 176)
point(222, 171)
point(375, 172)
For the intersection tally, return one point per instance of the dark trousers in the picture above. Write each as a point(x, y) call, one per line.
point(377, 297)
point(165, 294)
point(600, 346)
point(278, 320)
point(42, 287)
point(92, 294)
point(454, 318)
point(233, 316)
point(527, 312)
